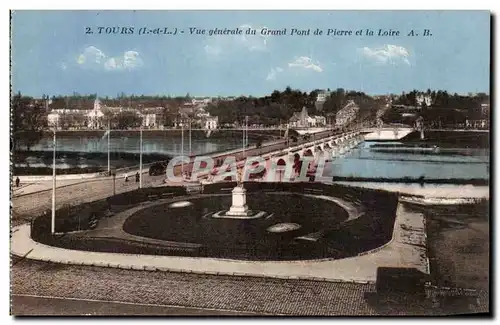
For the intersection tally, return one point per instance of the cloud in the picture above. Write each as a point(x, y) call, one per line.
point(388, 54)
point(305, 62)
point(129, 61)
point(220, 44)
point(92, 57)
point(273, 72)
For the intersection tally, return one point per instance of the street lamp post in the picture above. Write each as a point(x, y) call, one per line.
point(140, 163)
point(182, 149)
point(53, 220)
point(246, 130)
point(109, 160)
point(190, 137)
point(114, 183)
point(244, 147)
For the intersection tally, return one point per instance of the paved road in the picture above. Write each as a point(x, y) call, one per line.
point(30, 305)
point(24, 207)
point(97, 290)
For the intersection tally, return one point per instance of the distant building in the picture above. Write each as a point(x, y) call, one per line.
point(71, 118)
point(346, 114)
point(95, 116)
point(421, 99)
point(485, 109)
point(53, 119)
point(211, 122)
point(317, 121)
point(149, 120)
point(202, 101)
point(477, 124)
point(303, 120)
point(299, 119)
point(201, 113)
point(321, 99)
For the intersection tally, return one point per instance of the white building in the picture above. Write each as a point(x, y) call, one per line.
point(94, 117)
point(477, 124)
point(149, 120)
point(201, 113)
point(427, 99)
point(321, 99)
point(211, 123)
point(53, 119)
point(201, 102)
point(303, 120)
point(317, 120)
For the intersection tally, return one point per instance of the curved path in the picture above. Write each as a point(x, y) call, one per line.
point(406, 249)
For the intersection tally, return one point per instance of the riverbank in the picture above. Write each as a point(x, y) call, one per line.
point(458, 139)
point(409, 180)
point(37, 163)
point(195, 133)
point(429, 190)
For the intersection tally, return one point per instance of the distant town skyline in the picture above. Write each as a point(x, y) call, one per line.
point(234, 95)
point(54, 54)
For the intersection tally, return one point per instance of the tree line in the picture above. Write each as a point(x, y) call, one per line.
point(279, 106)
point(444, 109)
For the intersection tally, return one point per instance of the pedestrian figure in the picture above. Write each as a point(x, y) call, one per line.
point(137, 177)
point(17, 181)
point(126, 177)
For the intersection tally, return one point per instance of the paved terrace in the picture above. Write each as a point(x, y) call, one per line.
point(406, 249)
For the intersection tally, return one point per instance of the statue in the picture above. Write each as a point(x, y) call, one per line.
point(239, 178)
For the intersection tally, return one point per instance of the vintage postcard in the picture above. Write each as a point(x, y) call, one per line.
point(250, 163)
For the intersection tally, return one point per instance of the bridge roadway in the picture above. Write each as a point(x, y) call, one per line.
point(330, 143)
point(26, 206)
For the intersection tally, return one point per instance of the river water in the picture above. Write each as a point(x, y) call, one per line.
point(170, 146)
point(88, 151)
point(365, 161)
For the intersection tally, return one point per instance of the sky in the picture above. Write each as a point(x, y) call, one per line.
point(62, 52)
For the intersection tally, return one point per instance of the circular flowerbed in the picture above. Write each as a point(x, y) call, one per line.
point(280, 234)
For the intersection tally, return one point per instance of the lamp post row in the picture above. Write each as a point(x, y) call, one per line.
point(54, 149)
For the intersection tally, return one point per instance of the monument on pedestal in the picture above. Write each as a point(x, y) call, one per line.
point(239, 208)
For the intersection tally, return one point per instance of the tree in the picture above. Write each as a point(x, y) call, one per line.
point(128, 119)
point(259, 142)
point(108, 115)
point(28, 121)
point(65, 121)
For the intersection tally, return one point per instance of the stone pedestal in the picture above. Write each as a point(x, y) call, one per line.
point(239, 207)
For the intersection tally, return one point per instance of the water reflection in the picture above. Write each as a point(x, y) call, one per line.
point(160, 145)
point(92, 151)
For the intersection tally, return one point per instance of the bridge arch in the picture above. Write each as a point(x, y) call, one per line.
point(318, 152)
